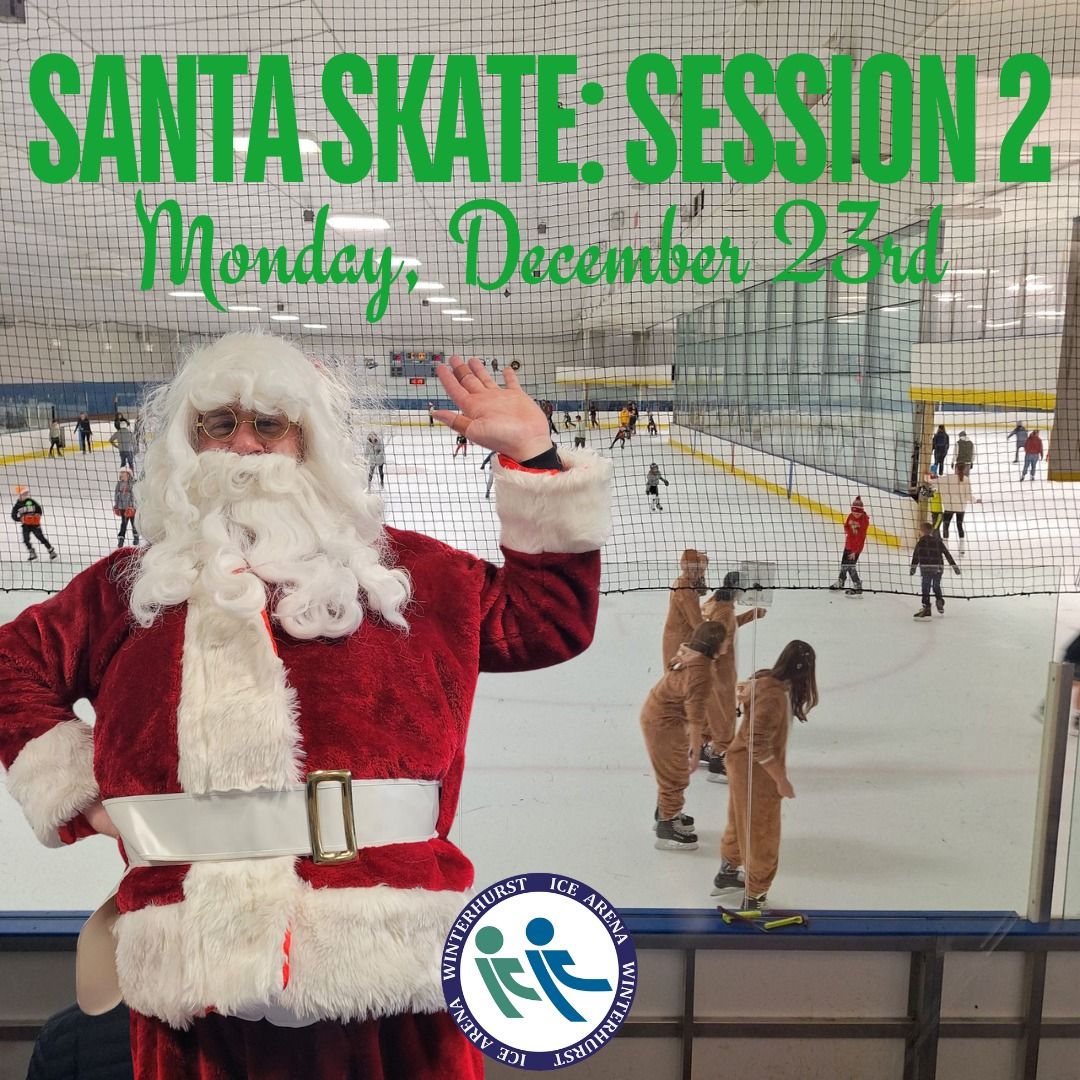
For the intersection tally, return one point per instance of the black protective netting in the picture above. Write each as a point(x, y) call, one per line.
point(775, 402)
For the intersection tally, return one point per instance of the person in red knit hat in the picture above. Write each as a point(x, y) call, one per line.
point(276, 643)
point(856, 527)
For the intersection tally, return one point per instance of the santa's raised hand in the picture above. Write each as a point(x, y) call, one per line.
point(500, 418)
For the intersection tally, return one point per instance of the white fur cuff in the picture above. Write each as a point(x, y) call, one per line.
point(563, 512)
point(52, 779)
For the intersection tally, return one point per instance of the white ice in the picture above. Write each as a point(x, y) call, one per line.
point(915, 777)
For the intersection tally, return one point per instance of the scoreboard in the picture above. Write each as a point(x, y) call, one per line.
point(414, 364)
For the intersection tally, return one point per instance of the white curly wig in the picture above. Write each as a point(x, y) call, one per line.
point(320, 556)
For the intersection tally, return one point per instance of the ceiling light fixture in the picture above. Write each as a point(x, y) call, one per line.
point(443, 300)
point(315, 326)
point(357, 223)
point(456, 311)
point(461, 319)
point(186, 295)
point(285, 318)
point(244, 307)
point(428, 286)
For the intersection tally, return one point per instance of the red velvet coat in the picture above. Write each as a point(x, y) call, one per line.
point(382, 703)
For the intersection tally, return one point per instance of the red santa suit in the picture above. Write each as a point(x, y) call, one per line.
point(192, 705)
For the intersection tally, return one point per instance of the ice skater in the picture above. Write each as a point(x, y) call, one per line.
point(54, 438)
point(431, 413)
point(723, 707)
point(651, 427)
point(594, 419)
point(653, 480)
point(965, 454)
point(1019, 433)
point(928, 556)
point(633, 410)
point(684, 604)
point(28, 513)
point(486, 464)
point(461, 446)
point(673, 711)
point(1033, 454)
point(579, 442)
point(375, 452)
point(956, 496)
point(123, 438)
point(621, 437)
point(940, 446)
point(124, 508)
point(567, 423)
point(856, 527)
point(757, 772)
point(83, 430)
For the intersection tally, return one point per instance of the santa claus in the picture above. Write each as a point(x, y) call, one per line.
point(282, 688)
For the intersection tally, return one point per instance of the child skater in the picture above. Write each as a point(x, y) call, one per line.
point(461, 446)
point(856, 527)
point(929, 552)
point(620, 437)
point(652, 486)
point(720, 716)
point(651, 427)
point(788, 688)
point(28, 513)
point(674, 708)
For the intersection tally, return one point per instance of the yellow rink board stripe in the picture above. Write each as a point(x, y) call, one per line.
point(14, 459)
point(882, 536)
point(1009, 399)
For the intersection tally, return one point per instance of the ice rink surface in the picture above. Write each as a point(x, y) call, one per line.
point(915, 777)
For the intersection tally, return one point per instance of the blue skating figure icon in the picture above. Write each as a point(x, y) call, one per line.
point(548, 965)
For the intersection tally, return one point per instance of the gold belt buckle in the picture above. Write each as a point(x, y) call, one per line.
point(343, 778)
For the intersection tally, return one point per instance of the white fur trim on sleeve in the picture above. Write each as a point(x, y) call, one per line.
point(559, 512)
point(52, 779)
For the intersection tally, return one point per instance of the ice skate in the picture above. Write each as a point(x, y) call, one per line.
point(717, 770)
point(670, 837)
point(683, 822)
point(941, 607)
point(53, 553)
point(836, 586)
point(754, 903)
point(31, 557)
point(856, 593)
point(728, 877)
point(923, 613)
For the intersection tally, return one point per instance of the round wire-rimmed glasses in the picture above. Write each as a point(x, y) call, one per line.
point(221, 424)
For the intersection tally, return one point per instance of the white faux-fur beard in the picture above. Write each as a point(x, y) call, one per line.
point(265, 514)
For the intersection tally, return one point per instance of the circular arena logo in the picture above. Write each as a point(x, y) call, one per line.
point(539, 971)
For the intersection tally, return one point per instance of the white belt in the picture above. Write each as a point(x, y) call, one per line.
point(329, 818)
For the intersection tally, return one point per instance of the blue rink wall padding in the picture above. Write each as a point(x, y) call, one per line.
point(96, 398)
point(701, 928)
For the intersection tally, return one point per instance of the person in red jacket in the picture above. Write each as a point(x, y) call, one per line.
point(274, 642)
point(1033, 454)
point(855, 529)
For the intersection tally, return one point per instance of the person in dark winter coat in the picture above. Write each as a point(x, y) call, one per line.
point(75, 1046)
point(1019, 433)
point(82, 429)
point(28, 513)
point(928, 556)
point(965, 454)
point(941, 448)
